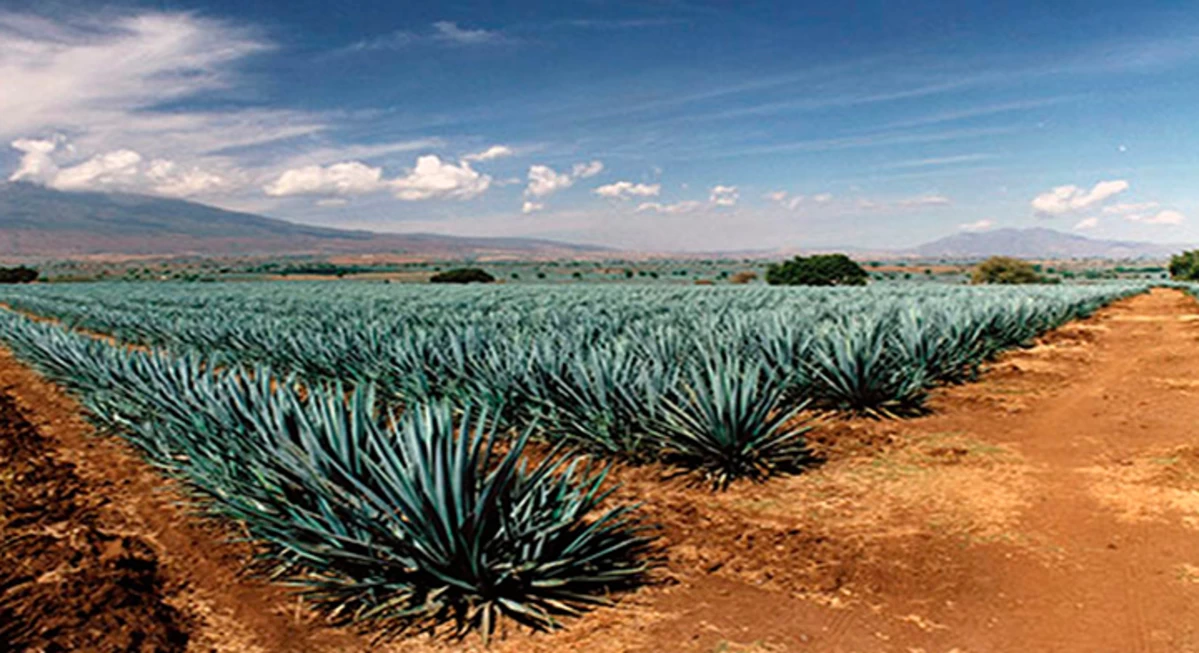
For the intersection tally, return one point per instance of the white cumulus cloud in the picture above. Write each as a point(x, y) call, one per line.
point(1068, 199)
point(170, 178)
point(434, 178)
point(431, 178)
point(1087, 223)
point(724, 195)
point(118, 170)
point(531, 207)
point(627, 189)
point(543, 180)
point(36, 165)
point(345, 178)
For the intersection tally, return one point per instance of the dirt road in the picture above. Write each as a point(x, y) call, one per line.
point(1052, 506)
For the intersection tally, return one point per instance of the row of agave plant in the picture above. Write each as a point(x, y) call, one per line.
point(542, 352)
point(420, 520)
point(403, 510)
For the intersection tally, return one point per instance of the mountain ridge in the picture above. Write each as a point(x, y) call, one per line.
point(39, 222)
point(1038, 242)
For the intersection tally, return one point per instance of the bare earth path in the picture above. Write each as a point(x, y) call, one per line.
point(1068, 479)
point(1109, 500)
point(1052, 506)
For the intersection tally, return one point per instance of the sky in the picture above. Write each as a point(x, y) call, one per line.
point(652, 125)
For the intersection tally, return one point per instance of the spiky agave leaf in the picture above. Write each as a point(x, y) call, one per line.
point(731, 422)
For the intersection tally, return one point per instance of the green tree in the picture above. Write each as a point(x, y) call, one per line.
point(1005, 270)
point(818, 270)
point(1185, 266)
point(19, 274)
point(462, 275)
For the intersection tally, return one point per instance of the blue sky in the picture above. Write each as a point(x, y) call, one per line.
point(650, 125)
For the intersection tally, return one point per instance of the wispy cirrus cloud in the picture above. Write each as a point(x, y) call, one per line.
point(95, 104)
point(923, 201)
point(938, 161)
point(675, 208)
point(968, 113)
point(614, 23)
point(1166, 217)
point(443, 32)
point(979, 225)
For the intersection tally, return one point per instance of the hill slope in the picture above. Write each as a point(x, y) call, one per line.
point(1038, 243)
point(37, 221)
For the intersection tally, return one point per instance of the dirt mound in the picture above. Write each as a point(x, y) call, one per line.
point(787, 558)
point(838, 438)
point(1179, 469)
point(67, 583)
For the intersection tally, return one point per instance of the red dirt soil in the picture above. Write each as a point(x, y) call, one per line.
point(1052, 506)
point(66, 581)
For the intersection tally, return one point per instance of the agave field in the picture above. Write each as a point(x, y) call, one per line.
point(374, 438)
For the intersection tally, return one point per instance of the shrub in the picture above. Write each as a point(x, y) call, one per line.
point(1185, 266)
point(818, 270)
point(743, 277)
point(19, 274)
point(1005, 270)
point(462, 275)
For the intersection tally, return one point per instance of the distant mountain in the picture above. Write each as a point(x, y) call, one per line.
point(37, 221)
point(41, 222)
point(1039, 243)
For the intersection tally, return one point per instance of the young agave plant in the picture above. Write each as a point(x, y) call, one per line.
point(604, 399)
point(442, 527)
point(730, 421)
point(854, 368)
